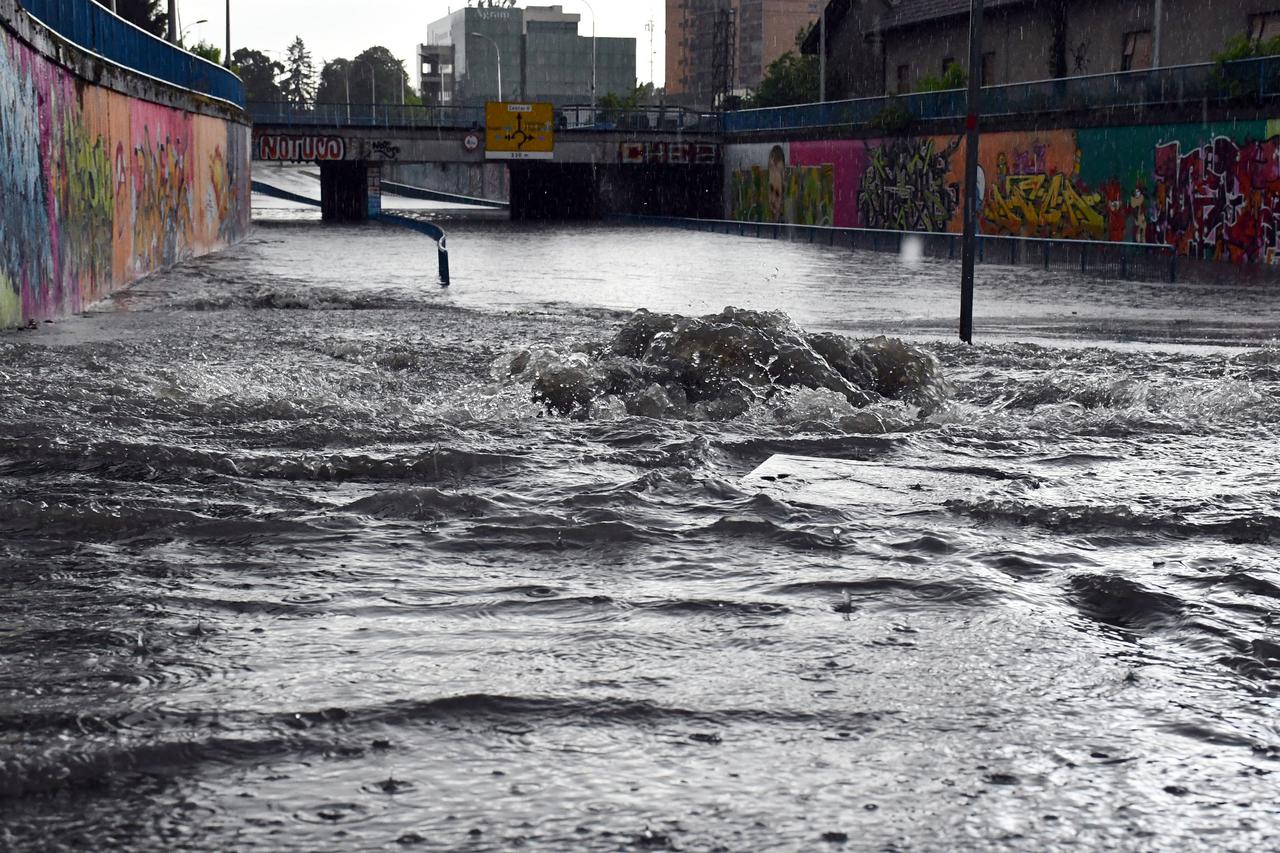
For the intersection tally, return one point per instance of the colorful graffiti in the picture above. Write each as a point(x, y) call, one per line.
point(98, 189)
point(1210, 191)
point(906, 186)
point(779, 192)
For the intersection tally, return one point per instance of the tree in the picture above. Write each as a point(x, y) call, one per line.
point(207, 51)
point(789, 79)
point(954, 77)
point(259, 73)
point(300, 75)
point(389, 79)
point(142, 13)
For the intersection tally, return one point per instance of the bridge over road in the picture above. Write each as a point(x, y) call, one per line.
point(659, 161)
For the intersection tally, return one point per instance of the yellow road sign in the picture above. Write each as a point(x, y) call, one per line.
point(519, 131)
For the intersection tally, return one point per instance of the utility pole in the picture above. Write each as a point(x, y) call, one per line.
point(173, 21)
point(227, 55)
point(1157, 27)
point(650, 27)
point(822, 56)
point(971, 171)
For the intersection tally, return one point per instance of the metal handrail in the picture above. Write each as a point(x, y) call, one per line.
point(567, 118)
point(97, 30)
point(1257, 79)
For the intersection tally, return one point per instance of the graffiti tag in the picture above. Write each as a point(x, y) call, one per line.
point(300, 149)
point(669, 153)
point(1220, 200)
point(384, 149)
point(905, 186)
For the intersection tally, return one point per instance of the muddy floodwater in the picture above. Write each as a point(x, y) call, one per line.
point(300, 551)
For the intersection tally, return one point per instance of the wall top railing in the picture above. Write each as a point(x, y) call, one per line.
point(94, 28)
point(568, 118)
point(1252, 81)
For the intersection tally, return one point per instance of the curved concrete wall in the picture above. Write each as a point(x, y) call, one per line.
point(105, 176)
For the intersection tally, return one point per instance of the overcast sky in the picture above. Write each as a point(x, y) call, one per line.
point(334, 28)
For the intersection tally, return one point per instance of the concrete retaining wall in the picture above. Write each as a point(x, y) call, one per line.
point(105, 175)
point(1211, 190)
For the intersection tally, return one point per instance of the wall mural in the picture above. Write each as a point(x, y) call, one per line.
point(1211, 191)
point(98, 189)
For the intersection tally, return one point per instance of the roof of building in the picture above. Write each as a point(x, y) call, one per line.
point(908, 12)
point(899, 13)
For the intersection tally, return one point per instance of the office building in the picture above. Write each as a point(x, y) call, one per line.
point(539, 50)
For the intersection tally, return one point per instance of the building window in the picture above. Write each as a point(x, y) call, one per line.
point(904, 79)
point(1137, 51)
point(446, 68)
point(446, 96)
point(1264, 26)
point(988, 77)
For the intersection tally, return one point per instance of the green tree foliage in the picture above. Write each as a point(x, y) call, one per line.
point(300, 75)
point(789, 79)
point(392, 82)
point(1241, 81)
point(259, 73)
point(1241, 47)
point(207, 51)
point(953, 78)
point(146, 14)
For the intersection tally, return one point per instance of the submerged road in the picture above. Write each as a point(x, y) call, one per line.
point(293, 560)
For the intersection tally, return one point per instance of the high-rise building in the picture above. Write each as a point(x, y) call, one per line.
point(542, 56)
point(722, 47)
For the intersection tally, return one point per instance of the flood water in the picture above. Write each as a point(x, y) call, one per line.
point(291, 559)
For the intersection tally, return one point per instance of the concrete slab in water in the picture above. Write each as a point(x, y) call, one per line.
point(847, 482)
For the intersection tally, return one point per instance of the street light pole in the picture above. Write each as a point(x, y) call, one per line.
point(173, 21)
point(822, 56)
point(227, 55)
point(593, 59)
point(498, 51)
point(971, 171)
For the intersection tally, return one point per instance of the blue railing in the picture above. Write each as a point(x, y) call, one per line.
point(95, 29)
point(1253, 81)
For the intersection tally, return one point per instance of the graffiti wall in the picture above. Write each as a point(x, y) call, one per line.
point(98, 189)
point(1211, 191)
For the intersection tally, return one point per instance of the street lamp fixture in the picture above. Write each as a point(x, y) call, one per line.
point(183, 38)
point(497, 51)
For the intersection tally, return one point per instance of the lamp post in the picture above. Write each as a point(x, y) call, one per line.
point(497, 51)
point(593, 59)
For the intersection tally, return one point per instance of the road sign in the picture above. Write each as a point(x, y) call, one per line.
point(519, 131)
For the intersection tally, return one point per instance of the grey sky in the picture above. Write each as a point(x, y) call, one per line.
point(333, 28)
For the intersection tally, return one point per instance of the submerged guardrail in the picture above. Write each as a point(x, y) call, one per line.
point(435, 232)
point(1127, 261)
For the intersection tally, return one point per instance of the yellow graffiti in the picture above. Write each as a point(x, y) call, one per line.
point(10, 304)
point(1043, 205)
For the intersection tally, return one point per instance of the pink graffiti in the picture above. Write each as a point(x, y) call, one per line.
point(1220, 200)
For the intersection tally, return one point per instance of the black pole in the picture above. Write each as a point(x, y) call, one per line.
point(971, 170)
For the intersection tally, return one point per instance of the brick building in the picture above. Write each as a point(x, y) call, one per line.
point(877, 47)
point(717, 47)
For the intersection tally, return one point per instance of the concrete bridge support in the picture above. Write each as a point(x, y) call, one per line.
point(350, 191)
